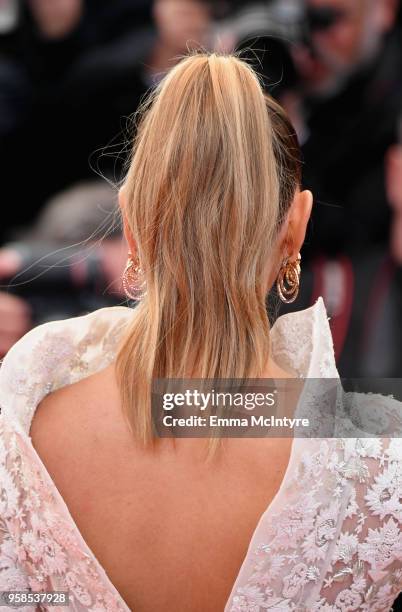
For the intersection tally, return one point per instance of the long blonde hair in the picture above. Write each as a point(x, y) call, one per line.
point(214, 167)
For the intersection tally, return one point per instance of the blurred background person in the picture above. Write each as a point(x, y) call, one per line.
point(64, 48)
point(351, 87)
point(394, 190)
point(182, 25)
point(74, 72)
point(86, 66)
point(336, 65)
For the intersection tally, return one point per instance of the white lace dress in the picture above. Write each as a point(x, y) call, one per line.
point(330, 540)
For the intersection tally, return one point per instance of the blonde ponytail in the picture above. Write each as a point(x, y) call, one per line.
point(203, 203)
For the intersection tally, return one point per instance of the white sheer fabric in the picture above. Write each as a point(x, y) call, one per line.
point(331, 539)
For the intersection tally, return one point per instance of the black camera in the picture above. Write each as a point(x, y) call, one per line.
point(266, 31)
point(59, 282)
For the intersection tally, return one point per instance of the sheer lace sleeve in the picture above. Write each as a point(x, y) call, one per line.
point(12, 574)
point(40, 547)
point(331, 542)
point(365, 569)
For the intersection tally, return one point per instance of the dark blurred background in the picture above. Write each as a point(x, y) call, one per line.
point(73, 72)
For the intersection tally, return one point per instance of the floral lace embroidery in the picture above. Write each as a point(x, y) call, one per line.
point(39, 546)
point(330, 542)
point(335, 543)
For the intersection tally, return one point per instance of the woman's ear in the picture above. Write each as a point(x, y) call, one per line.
point(299, 215)
point(126, 228)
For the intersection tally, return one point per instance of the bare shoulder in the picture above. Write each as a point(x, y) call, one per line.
point(79, 433)
point(76, 416)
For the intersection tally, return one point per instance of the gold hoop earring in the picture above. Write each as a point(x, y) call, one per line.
point(288, 281)
point(133, 280)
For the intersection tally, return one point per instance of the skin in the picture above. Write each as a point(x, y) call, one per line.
point(182, 25)
point(181, 21)
point(394, 189)
point(161, 549)
point(56, 18)
point(15, 315)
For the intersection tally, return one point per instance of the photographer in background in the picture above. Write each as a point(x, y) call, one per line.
point(351, 96)
point(82, 280)
point(336, 65)
point(60, 67)
point(350, 101)
point(87, 64)
point(70, 261)
point(181, 24)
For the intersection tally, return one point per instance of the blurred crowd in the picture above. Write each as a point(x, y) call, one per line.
point(73, 72)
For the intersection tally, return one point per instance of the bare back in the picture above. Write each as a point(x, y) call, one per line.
point(170, 531)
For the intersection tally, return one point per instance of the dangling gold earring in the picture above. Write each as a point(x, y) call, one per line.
point(133, 280)
point(288, 281)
